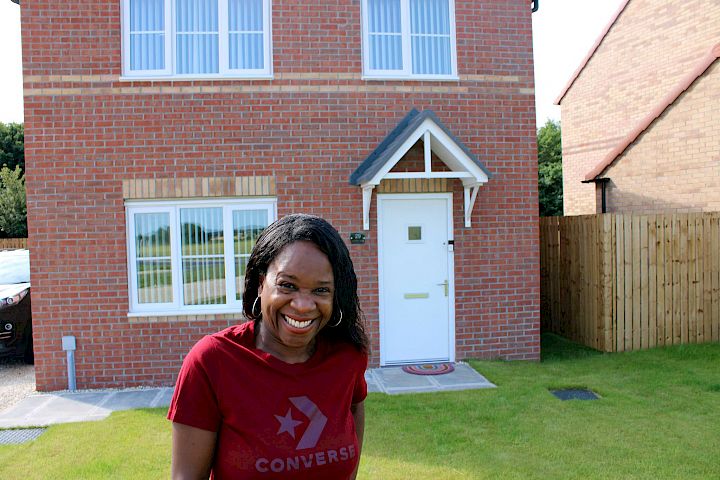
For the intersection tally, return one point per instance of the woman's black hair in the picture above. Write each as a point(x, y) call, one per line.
point(302, 227)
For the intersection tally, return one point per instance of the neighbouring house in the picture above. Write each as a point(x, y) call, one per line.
point(641, 115)
point(162, 136)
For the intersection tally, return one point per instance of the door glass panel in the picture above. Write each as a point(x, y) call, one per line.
point(247, 226)
point(153, 262)
point(414, 233)
point(202, 256)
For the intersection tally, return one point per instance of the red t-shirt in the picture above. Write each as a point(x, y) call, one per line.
point(274, 419)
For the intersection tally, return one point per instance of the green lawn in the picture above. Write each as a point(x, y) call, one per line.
point(659, 418)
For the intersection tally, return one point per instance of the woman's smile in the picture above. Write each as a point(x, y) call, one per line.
point(297, 324)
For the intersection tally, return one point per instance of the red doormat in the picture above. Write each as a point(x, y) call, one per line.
point(429, 368)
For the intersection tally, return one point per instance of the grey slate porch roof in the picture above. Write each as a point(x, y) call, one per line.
point(392, 142)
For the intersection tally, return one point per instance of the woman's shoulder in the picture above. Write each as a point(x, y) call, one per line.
point(349, 353)
point(236, 336)
point(240, 333)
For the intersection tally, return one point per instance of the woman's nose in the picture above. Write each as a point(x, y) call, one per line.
point(303, 302)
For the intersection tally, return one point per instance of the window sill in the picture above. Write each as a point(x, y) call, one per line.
point(185, 316)
point(185, 313)
point(413, 78)
point(175, 78)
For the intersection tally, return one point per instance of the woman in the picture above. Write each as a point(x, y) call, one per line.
point(280, 396)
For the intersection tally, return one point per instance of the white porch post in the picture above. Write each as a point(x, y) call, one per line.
point(471, 192)
point(367, 199)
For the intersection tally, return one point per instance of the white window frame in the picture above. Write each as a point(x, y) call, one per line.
point(406, 72)
point(176, 307)
point(170, 47)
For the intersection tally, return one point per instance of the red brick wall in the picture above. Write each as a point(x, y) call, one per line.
point(309, 127)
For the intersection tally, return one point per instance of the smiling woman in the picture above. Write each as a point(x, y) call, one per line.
point(280, 396)
point(296, 298)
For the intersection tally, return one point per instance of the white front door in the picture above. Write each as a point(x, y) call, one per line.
point(416, 284)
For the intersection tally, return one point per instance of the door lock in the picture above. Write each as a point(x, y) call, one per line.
point(446, 285)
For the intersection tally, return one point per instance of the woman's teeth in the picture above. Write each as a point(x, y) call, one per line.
point(296, 324)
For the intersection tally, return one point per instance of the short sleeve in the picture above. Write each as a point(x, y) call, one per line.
point(194, 400)
point(360, 388)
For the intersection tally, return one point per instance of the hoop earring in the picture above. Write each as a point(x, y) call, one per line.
point(339, 320)
point(252, 310)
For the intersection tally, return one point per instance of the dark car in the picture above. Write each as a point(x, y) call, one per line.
point(15, 314)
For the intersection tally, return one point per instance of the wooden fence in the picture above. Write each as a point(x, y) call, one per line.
point(12, 243)
point(619, 282)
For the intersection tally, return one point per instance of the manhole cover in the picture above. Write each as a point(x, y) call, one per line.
point(575, 394)
point(21, 435)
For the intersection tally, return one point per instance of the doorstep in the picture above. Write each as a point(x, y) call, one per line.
point(394, 380)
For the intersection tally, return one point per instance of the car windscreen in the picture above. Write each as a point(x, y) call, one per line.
point(14, 266)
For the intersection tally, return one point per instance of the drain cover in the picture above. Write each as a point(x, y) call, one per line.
point(575, 394)
point(21, 435)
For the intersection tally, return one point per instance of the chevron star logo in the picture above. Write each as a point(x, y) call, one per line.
point(316, 425)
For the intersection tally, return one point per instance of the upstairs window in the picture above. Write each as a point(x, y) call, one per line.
point(196, 38)
point(409, 39)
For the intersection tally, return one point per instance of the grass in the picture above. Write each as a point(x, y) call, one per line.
point(658, 418)
point(132, 444)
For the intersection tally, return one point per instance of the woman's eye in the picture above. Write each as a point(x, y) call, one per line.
point(286, 286)
point(322, 290)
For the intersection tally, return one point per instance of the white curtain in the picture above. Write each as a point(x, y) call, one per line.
point(245, 30)
point(147, 35)
point(385, 34)
point(430, 37)
point(197, 36)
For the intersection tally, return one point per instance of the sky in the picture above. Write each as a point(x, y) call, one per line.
point(563, 33)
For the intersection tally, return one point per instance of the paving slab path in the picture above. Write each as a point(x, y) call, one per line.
point(42, 409)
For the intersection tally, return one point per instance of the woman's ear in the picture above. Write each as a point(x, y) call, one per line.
point(261, 282)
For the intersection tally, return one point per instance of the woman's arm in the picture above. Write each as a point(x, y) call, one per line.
point(192, 452)
point(358, 413)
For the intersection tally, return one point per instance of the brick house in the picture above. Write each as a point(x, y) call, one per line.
point(641, 115)
point(163, 135)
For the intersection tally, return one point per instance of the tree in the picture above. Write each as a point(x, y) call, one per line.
point(550, 169)
point(12, 146)
point(13, 209)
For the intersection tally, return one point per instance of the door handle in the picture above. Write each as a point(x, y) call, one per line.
point(446, 285)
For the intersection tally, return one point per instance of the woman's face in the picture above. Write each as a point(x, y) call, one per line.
point(296, 296)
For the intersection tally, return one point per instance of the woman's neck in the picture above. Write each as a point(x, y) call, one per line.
point(270, 345)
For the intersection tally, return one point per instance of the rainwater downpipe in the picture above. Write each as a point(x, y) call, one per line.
point(68, 344)
point(603, 191)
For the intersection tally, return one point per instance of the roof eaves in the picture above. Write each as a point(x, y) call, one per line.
point(367, 165)
point(687, 81)
point(591, 52)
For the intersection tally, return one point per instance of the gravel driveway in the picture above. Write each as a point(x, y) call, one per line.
point(17, 381)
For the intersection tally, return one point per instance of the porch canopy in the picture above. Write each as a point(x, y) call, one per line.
point(437, 139)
